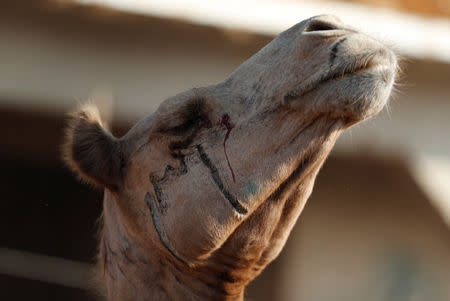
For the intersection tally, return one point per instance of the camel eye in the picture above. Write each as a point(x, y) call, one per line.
point(194, 123)
point(189, 118)
point(205, 123)
point(184, 127)
point(187, 132)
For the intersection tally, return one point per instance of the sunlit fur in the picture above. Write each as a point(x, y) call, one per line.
point(92, 152)
point(176, 226)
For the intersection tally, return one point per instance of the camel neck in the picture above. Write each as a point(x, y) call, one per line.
point(129, 274)
point(131, 270)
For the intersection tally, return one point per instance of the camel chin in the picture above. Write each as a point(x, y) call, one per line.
point(201, 195)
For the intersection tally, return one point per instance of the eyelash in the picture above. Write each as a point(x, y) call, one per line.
point(196, 125)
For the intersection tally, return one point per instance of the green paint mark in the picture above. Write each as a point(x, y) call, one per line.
point(252, 189)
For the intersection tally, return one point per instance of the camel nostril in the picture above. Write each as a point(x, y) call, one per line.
point(320, 25)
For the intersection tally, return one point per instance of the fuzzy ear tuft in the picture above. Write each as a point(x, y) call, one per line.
point(91, 151)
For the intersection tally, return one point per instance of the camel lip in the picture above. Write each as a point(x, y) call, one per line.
point(373, 63)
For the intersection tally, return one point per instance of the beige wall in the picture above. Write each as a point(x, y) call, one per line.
point(367, 233)
point(53, 58)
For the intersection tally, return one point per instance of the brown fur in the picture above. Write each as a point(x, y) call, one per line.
point(92, 152)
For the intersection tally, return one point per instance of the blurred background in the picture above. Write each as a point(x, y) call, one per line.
point(377, 224)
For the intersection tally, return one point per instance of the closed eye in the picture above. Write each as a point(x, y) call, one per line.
point(186, 126)
point(192, 116)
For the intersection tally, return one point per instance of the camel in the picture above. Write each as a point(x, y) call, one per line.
point(201, 195)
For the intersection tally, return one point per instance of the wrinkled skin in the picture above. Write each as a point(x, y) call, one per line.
point(202, 195)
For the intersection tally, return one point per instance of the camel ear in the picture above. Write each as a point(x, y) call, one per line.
point(91, 151)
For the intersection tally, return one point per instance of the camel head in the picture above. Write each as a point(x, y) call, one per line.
point(208, 187)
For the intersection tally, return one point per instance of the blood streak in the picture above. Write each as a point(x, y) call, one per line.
point(225, 121)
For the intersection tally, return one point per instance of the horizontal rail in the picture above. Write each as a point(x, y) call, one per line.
point(45, 268)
